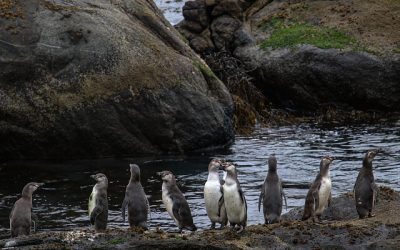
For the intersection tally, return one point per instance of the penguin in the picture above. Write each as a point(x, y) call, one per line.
point(365, 189)
point(272, 194)
point(319, 195)
point(98, 203)
point(234, 199)
point(21, 216)
point(175, 203)
point(136, 200)
point(212, 194)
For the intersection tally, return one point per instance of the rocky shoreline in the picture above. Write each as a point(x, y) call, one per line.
point(333, 59)
point(340, 229)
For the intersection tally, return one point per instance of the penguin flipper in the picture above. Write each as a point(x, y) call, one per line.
point(95, 212)
point(242, 197)
point(12, 212)
point(148, 206)
point(284, 197)
point(330, 199)
point(182, 213)
point(123, 207)
point(220, 203)
point(35, 221)
point(261, 197)
point(375, 192)
point(316, 199)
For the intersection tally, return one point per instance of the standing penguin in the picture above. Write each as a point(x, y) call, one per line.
point(21, 216)
point(272, 194)
point(136, 200)
point(98, 203)
point(234, 199)
point(175, 202)
point(365, 189)
point(319, 195)
point(213, 193)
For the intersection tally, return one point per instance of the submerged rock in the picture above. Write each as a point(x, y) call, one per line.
point(96, 79)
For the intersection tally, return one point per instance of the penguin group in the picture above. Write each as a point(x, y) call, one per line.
point(224, 198)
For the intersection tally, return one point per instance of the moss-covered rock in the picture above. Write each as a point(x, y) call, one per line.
point(83, 79)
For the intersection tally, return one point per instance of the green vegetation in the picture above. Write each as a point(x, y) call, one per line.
point(293, 33)
point(117, 241)
point(205, 70)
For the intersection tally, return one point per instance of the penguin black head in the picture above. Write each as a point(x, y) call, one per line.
point(272, 163)
point(30, 188)
point(135, 172)
point(100, 177)
point(214, 165)
point(324, 165)
point(167, 176)
point(370, 155)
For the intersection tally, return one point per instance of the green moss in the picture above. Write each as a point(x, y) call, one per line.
point(396, 50)
point(117, 241)
point(291, 34)
point(205, 70)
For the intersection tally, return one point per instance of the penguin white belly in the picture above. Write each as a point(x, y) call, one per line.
point(235, 209)
point(168, 203)
point(92, 200)
point(212, 194)
point(324, 193)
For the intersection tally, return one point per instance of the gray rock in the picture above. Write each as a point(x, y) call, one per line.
point(96, 79)
point(342, 208)
point(196, 11)
point(306, 77)
point(223, 29)
point(228, 7)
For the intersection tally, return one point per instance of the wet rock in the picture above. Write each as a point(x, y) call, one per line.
point(223, 29)
point(196, 11)
point(83, 80)
point(228, 7)
point(307, 77)
point(342, 208)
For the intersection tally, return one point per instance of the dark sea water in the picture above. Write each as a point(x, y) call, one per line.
point(62, 203)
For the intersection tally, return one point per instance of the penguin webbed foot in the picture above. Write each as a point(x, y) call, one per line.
point(240, 230)
point(212, 225)
point(370, 215)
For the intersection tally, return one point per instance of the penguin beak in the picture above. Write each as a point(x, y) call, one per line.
point(40, 184)
point(332, 158)
point(159, 173)
point(93, 176)
point(223, 166)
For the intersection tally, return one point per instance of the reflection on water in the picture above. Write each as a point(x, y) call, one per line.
point(62, 202)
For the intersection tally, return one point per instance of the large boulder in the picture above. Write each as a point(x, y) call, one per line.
point(103, 78)
point(308, 77)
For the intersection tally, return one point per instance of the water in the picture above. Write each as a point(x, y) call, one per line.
point(62, 203)
point(172, 9)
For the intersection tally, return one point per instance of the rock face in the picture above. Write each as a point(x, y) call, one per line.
point(103, 78)
point(305, 77)
point(214, 25)
point(308, 77)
